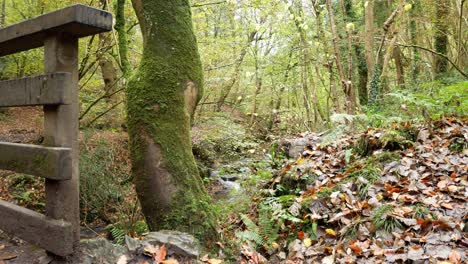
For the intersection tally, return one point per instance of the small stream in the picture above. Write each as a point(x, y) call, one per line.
point(230, 178)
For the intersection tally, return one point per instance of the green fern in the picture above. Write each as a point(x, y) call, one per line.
point(118, 234)
point(269, 229)
point(252, 232)
point(263, 234)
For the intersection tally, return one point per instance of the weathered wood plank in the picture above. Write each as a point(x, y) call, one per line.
point(50, 89)
point(75, 21)
point(52, 235)
point(50, 163)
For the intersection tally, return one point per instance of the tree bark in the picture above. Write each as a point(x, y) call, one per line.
point(227, 87)
point(360, 56)
point(440, 35)
point(122, 37)
point(162, 96)
point(274, 116)
point(345, 82)
point(369, 37)
point(3, 14)
point(108, 71)
point(400, 70)
point(416, 57)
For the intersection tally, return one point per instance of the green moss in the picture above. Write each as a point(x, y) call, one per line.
point(387, 156)
point(395, 140)
point(119, 6)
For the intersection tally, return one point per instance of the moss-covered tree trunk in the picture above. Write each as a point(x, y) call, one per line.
point(162, 96)
point(440, 35)
point(121, 30)
point(359, 53)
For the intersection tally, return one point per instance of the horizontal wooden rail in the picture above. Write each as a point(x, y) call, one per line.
point(50, 89)
point(75, 21)
point(53, 235)
point(50, 163)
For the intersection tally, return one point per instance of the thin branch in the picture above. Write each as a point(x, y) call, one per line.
point(104, 113)
point(106, 95)
point(436, 53)
point(207, 4)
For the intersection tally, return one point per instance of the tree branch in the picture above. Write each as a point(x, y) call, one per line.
point(436, 53)
point(207, 4)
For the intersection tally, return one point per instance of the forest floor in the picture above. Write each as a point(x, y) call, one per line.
point(394, 194)
point(385, 195)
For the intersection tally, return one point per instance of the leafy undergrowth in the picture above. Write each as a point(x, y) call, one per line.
point(394, 194)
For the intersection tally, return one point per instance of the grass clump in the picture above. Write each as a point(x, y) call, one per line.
point(383, 219)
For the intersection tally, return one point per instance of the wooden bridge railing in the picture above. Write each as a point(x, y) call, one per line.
point(57, 160)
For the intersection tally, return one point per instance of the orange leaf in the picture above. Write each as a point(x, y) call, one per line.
point(160, 255)
point(455, 257)
point(356, 249)
point(300, 235)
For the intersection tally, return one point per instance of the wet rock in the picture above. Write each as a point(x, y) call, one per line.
point(179, 243)
point(294, 147)
point(101, 250)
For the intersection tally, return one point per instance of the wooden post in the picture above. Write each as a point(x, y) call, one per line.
point(61, 130)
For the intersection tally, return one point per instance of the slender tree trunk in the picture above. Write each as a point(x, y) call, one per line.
point(162, 95)
point(334, 93)
point(400, 70)
point(227, 87)
point(360, 56)
point(369, 37)
point(376, 82)
point(277, 105)
point(3, 14)
point(122, 37)
point(416, 56)
point(345, 82)
point(461, 55)
point(108, 71)
point(306, 71)
point(440, 35)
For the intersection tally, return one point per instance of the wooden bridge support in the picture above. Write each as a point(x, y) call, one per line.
point(58, 230)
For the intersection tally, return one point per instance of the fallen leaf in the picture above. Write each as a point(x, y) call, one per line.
point(328, 260)
point(307, 242)
point(122, 260)
point(356, 249)
point(160, 255)
point(416, 253)
point(215, 261)
point(447, 206)
point(453, 188)
point(442, 184)
point(330, 232)
point(300, 235)
point(455, 257)
point(7, 256)
point(170, 261)
point(205, 258)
